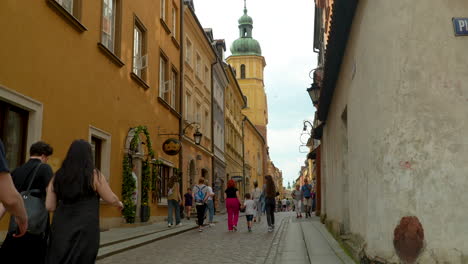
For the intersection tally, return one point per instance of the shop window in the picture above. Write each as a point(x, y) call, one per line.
point(13, 133)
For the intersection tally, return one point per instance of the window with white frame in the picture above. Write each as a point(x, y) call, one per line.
point(164, 88)
point(188, 52)
point(139, 52)
point(67, 5)
point(198, 66)
point(109, 21)
point(174, 22)
point(163, 10)
point(188, 107)
point(174, 93)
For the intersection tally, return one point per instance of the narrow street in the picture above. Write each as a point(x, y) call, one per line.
point(293, 241)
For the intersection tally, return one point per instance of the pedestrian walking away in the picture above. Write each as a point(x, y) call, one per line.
point(270, 194)
point(73, 195)
point(307, 193)
point(10, 199)
point(188, 203)
point(200, 193)
point(210, 204)
point(249, 206)
point(284, 204)
point(231, 195)
point(173, 201)
point(257, 198)
point(32, 177)
point(297, 199)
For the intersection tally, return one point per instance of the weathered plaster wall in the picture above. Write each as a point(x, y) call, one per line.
point(403, 80)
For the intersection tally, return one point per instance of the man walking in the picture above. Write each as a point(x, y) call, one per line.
point(307, 192)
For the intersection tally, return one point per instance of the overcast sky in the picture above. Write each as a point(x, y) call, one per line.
point(285, 32)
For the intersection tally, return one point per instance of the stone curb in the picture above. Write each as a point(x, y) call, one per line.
point(115, 247)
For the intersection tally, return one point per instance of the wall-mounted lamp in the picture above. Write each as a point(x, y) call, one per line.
point(197, 136)
point(314, 93)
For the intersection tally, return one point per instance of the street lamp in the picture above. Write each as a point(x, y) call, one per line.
point(314, 93)
point(197, 136)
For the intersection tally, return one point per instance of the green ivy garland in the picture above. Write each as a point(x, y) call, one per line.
point(129, 184)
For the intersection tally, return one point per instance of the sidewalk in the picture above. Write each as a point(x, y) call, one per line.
point(120, 239)
point(308, 241)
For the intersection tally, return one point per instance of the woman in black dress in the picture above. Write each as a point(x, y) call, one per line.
point(74, 196)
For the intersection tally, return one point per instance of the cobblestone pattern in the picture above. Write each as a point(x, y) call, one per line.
point(213, 245)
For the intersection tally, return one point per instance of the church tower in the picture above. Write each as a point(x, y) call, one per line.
point(246, 58)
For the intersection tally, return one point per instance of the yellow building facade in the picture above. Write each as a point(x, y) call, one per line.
point(199, 55)
point(254, 155)
point(234, 103)
point(99, 69)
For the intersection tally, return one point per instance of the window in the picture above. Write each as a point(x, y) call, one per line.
point(164, 86)
point(96, 146)
point(13, 132)
point(174, 91)
point(198, 114)
point(242, 71)
point(67, 5)
point(110, 21)
point(174, 22)
point(163, 10)
point(139, 50)
point(165, 172)
point(207, 124)
point(101, 148)
point(188, 107)
point(197, 66)
point(207, 77)
point(188, 52)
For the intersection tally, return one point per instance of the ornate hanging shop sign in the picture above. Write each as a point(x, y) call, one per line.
point(171, 146)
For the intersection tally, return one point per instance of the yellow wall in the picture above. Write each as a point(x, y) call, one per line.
point(234, 102)
point(198, 86)
point(254, 146)
point(252, 86)
point(47, 59)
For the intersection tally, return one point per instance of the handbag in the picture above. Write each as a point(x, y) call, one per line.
point(38, 216)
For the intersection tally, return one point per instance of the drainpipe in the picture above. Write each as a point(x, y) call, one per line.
point(213, 160)
point(243, 153)
point(181, 88)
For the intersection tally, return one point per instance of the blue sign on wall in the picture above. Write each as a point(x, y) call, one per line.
point(460, 26)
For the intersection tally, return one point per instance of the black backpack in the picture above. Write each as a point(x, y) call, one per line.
point(38, 216)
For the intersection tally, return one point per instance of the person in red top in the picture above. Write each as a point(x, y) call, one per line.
point(231, 196)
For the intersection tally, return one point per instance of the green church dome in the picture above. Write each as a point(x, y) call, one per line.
point(245, 44)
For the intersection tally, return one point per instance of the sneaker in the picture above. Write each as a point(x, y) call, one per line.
point(169, 225)
point(235, 228)
point(211, 225)
point(200, 230)
point(179, 224)
point(250, 229)
point(270, 229)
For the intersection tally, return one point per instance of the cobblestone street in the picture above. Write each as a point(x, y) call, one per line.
point(217, 245)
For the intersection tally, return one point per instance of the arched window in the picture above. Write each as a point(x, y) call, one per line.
point(242, 71)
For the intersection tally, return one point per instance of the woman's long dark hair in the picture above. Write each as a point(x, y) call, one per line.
point(75, 178)
point(270, 187)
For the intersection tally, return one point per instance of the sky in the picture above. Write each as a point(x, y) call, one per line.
point(285, 32)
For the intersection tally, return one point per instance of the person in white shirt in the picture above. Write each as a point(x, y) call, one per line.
point(250, 209)
point(256, 197)
point(210, 204)
point(297, 198)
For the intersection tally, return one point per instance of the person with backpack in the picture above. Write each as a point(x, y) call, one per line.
point(200, 195)
point(74, 196)
point(210, 204)
point(10, 199)
point(231, 195)
point(32, 177)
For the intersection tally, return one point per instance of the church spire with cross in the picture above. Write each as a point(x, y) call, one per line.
point(245, 44)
